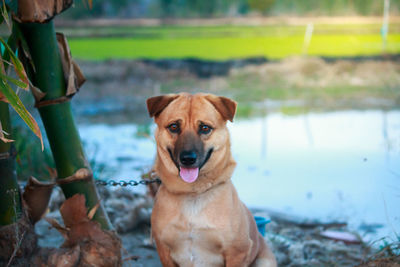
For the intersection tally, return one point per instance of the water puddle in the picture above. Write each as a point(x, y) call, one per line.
point(330, 166)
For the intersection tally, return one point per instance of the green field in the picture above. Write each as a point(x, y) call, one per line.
point(224, 42)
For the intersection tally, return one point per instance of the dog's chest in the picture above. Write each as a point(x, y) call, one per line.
point(197, 235)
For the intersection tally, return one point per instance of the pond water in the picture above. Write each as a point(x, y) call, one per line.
point(329, 166)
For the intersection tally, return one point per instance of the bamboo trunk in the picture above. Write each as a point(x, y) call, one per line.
point(57, 118)
point(10, 198)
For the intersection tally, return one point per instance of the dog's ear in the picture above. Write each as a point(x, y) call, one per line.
point(225, 106)
point(157, 104)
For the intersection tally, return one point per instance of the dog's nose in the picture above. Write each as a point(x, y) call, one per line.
point(188, 158)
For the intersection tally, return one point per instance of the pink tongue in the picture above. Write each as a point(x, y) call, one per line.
point(189, 175)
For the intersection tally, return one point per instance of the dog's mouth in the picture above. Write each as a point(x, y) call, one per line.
point(190, 174)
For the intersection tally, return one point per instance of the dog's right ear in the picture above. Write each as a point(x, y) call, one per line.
point(225, 106)
point(157, 104)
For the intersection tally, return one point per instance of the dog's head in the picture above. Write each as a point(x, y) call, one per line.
point(193, 147)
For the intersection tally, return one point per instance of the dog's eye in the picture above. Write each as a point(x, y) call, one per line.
point(204, 129)
point(174, 128)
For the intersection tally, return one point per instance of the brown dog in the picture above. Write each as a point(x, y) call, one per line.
point(198, 219)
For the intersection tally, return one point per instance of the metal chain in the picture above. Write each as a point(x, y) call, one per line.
point(123, 183)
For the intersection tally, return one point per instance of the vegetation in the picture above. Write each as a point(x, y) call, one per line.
point(10, 208)
point(10, 197)
point(57, 118)
point(31, 160)
point(223, 42)
point(38, 48)
point(218, 8)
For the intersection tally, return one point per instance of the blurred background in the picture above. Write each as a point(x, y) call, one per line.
point(317, 130)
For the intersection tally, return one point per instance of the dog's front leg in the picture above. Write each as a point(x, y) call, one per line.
point(165, 255)
point(235, 259)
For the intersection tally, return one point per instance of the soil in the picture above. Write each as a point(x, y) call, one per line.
point(295, 241)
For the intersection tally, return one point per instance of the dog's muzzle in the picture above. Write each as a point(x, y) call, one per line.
point(189, 158)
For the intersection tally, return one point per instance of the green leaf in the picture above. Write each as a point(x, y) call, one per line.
point(19, 68)
point(12, 38)
point(4, 15)
point(16, 103)
point(14, 81)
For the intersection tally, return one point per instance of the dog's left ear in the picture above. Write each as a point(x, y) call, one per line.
point(157, 104)
point(225, 106)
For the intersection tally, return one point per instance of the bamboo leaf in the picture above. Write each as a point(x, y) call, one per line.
point(14, 81)
point(12, 39)
point(19, 68)
point(16, 103)
point(4, 15)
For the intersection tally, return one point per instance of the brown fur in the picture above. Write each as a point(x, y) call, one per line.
point(203, 223)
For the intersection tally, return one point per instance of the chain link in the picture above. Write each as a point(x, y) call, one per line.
point(123, 183)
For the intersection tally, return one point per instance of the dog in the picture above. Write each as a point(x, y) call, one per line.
point(198, 218)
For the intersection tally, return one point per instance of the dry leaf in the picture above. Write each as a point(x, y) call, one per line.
point(40, 11)
point(72, 73)
point(65, 257)
point(93, 211)
point(36, 196)
point(2, 135)
point(106, 253)
point(81, 174)
point(96, 247)
point(37, 93)
point(63, 231)
point(89, 230)
point(73, 210)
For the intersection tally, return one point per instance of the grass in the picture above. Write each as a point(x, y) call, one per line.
point(296, 85)
point(223, 42)
point(225, 48)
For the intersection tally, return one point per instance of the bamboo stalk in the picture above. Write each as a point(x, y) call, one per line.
point(57, 118)
point(10, 198)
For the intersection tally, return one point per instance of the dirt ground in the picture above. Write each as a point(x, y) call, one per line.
point(295, 241)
